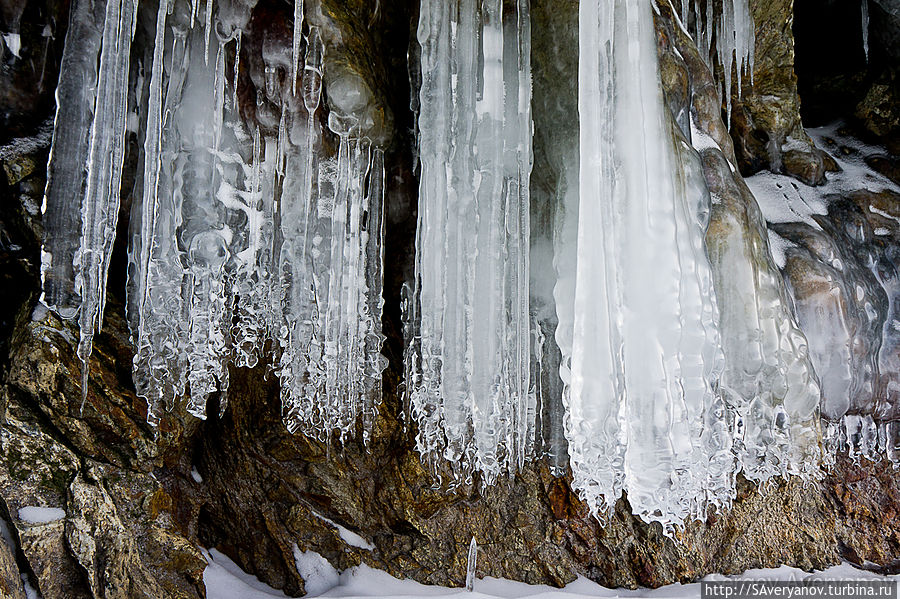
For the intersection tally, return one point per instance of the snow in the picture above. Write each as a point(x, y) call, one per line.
point(783, 199)
point(40, 515)
point(224, 580)
point(21, 146)
point(13, 42)
point(7, 536)
point(348, 536)
point(318, 574)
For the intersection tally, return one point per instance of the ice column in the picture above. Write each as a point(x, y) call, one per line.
point(469, 360)
point(640, 358)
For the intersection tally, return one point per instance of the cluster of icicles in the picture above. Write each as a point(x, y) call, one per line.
point(242, 236)
point(679, 365)
point(666, 395)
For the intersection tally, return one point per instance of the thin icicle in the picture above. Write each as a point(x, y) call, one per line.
point(100, 207)
point(864, 7)
point(471, 565)
point(295, 42)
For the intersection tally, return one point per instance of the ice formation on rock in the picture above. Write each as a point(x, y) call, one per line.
point(657, 399)
point(637, 321)
point(836, 247)
point(469, 361)
point(245, 234)
point(768, 381)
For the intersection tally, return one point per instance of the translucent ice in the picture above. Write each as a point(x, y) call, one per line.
point(246, 233)
point(87, 166)
point(643, 356)
point(729, 37)
point(469, 361)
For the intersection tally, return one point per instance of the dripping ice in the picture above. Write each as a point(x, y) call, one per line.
point(672, 430)
point(246, 235)
point(729, 37)
point(232, 220)
point(468, 362)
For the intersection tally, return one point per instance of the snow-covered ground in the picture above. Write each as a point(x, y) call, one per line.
point(225, 580)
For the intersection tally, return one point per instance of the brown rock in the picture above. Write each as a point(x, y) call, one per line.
point(11, 586)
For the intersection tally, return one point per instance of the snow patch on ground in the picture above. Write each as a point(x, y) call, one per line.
point(225, 580)
point(7, 536)
point(28, 145)
point(318, 574)
point(41, 515)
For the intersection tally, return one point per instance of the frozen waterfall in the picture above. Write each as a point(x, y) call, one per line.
point(675, 375)
point(644, 356)
point(629, 324)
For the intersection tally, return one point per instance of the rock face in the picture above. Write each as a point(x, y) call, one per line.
point(30, 49)
point(766, 126)
point(837, 79)
point(101, 505)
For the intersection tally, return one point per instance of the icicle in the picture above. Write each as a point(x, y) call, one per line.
point(374, 288)
point(864, 7)
point(295, 43)
point(227, 246)
point(237, 67)
point(100, 206)
point(768, 382)
point(155, 294)
point(469, 380)
point(207, 30)
point(471, 565)
point(734, 35)
point(75, 101)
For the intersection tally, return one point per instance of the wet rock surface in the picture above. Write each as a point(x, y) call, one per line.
point(102, 505)
point(765, 120)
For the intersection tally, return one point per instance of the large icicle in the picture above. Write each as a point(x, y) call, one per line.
point(468, 371)
point(644, 350)
point(75, 101)
point(87, 166)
